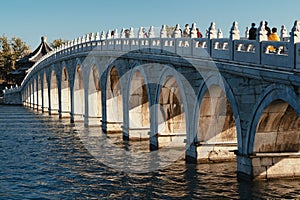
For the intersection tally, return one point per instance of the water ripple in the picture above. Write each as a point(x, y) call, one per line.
point(44, 158)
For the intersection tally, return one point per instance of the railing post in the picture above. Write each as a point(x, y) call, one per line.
point(175, 45)
point(177, 31)
point(220, 33)
point(151, 33)
point(139, 43)
point(295, 38)
point(131, 33)
point(194, 31)
point(297, 56)
point(211, 34)
point(163, 32)
point(122, 43)
point(247, 33)
point(261, 35)
point(234, 35)
point(283, 33)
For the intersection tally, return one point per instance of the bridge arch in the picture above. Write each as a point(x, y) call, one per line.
point(29, 93)
point(216, 120)
point(54, 101)
point(138, 104)
point(25, 95)
point(65, 92)
point(28, 99)
point(277, 110)
point(172, 111)
point(113, 99)
point(79, 98)
point(94, 96)
point(35, 91)
point(39, 92)
point(45, 92)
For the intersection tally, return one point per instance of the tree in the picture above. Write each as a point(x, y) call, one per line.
point(5, 56)
point(19, 49)
point(11, 51)
point(57, 42)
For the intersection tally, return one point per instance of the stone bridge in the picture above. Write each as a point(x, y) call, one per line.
point(220, 98)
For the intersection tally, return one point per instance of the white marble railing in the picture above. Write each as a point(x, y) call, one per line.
point(246, 51)
point(221, 48)
point(12, 90)
point(280, 57)
point(297, 59)
point(287, 54)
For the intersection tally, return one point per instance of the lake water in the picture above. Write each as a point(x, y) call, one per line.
point(43, 157)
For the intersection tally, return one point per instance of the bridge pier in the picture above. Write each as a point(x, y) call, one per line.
point(136, 133)
point(269, 165)
point(94, 121)
point(210, 152)
point(65, 114)
point(171, 139)
point(215, 152)
point(78, 117)
point(111, 127)
point(191, 153)
point(244, 166)
point(53, 111)
point(153, 142)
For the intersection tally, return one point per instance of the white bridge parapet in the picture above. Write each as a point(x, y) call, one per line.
point(286, 55)
point(280, 57)
point(246, 51)
point(221, 48)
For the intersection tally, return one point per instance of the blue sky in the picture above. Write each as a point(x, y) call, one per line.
point(69, 19)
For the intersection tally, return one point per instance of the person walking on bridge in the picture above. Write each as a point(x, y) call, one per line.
point(273, 37)
point(186, 31)
point(199, 34)
point(267, 28)
point(252, 32)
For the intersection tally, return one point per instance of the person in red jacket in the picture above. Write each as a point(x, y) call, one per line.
point(199, 34)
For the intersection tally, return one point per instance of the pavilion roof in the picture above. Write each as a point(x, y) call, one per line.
point(41, 50)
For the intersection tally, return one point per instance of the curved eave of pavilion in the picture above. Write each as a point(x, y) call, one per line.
point(41, 50)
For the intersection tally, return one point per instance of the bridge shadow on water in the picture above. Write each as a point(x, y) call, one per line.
point(46, 157)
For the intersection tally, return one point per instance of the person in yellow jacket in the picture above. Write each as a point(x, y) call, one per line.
point(273, 37)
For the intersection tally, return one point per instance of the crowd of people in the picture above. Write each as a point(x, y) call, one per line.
point(187, 31)
point(272, 35)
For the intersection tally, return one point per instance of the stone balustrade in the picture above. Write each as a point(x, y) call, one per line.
point(11, 90)
point(226, 49)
